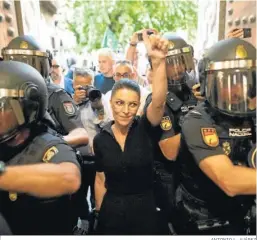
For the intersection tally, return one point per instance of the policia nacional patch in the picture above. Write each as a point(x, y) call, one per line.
point(49, 154)
point(210, 137)
point(166, 123)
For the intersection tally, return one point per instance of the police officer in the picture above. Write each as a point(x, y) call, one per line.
point(39, 172)
point(179, 62)
point(60, 104)
point(217, 191)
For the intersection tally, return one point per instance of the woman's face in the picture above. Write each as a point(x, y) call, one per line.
point(124, 104)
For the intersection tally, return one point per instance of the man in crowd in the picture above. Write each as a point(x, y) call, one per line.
point(56, 74)
point(104, 81)
point(124, 69)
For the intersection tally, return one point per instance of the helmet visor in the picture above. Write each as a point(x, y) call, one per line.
point(177, 65)
point(8, 120)
point(39, 63)
point(232, 91)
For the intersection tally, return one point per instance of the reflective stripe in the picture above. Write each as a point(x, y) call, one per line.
point(11, 93)
point(25, 52)
point(242, 63)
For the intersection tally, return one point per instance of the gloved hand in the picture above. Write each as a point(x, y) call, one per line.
point(82, 227)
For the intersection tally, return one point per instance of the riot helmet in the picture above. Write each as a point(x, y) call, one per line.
point(23, 98)
point(230, 84)
point(179, 62)
point(26, 49)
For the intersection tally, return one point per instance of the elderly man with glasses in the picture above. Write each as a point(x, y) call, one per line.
point(124, 69)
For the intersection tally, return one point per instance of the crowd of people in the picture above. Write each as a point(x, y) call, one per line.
point(116, 153)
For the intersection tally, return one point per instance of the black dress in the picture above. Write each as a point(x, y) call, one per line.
point(128, 207)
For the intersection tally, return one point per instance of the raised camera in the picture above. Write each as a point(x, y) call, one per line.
point(92, 93)
point(140, 35)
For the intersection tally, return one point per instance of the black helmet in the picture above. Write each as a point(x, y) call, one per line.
point(23, 98)
point(179, 62)
point(26, 49)
point(230, 84)
point(179, 58)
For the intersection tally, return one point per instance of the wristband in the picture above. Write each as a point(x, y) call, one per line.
point(133, 44)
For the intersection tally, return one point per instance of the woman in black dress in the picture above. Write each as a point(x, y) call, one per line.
point(124, 165)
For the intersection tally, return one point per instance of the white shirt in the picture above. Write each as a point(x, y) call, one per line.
point(90, 119)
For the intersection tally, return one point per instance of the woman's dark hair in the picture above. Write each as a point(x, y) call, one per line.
point(125, 84)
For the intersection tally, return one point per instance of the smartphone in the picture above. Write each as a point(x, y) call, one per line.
point(247, 32)
point(243, 32)
point(140, 35)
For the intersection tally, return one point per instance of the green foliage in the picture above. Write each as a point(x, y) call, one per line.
point(90, 19)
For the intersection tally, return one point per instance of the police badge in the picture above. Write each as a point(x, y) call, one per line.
point(13, 196)
point(166, 123)
point(69, 108)
point(241, 52)
point(49, 154)
point(226, 148)
point(171, 45)
point(24, 45)
point(210, 137)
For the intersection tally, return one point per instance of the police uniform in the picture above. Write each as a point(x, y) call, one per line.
point(23, 101)
point(28, 215)
point(62, 109)
point(204, 135)
point(223, 125)
point(179, 101)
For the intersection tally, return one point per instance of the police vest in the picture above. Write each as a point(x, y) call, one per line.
point(238, 143)
point(180, 108)
point(52, 90)
point(32, 215)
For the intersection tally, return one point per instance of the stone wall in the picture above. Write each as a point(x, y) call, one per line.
point(36, 18)
point(241, 14)
point(217, 17)
point(8, 23)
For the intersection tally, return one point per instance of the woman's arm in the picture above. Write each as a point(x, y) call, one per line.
point(157, 49)
point(100, 189)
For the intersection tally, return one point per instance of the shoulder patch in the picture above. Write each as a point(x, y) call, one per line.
point(166, 123)
point(210, 137)
point(69, 108)
point(49, 154)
